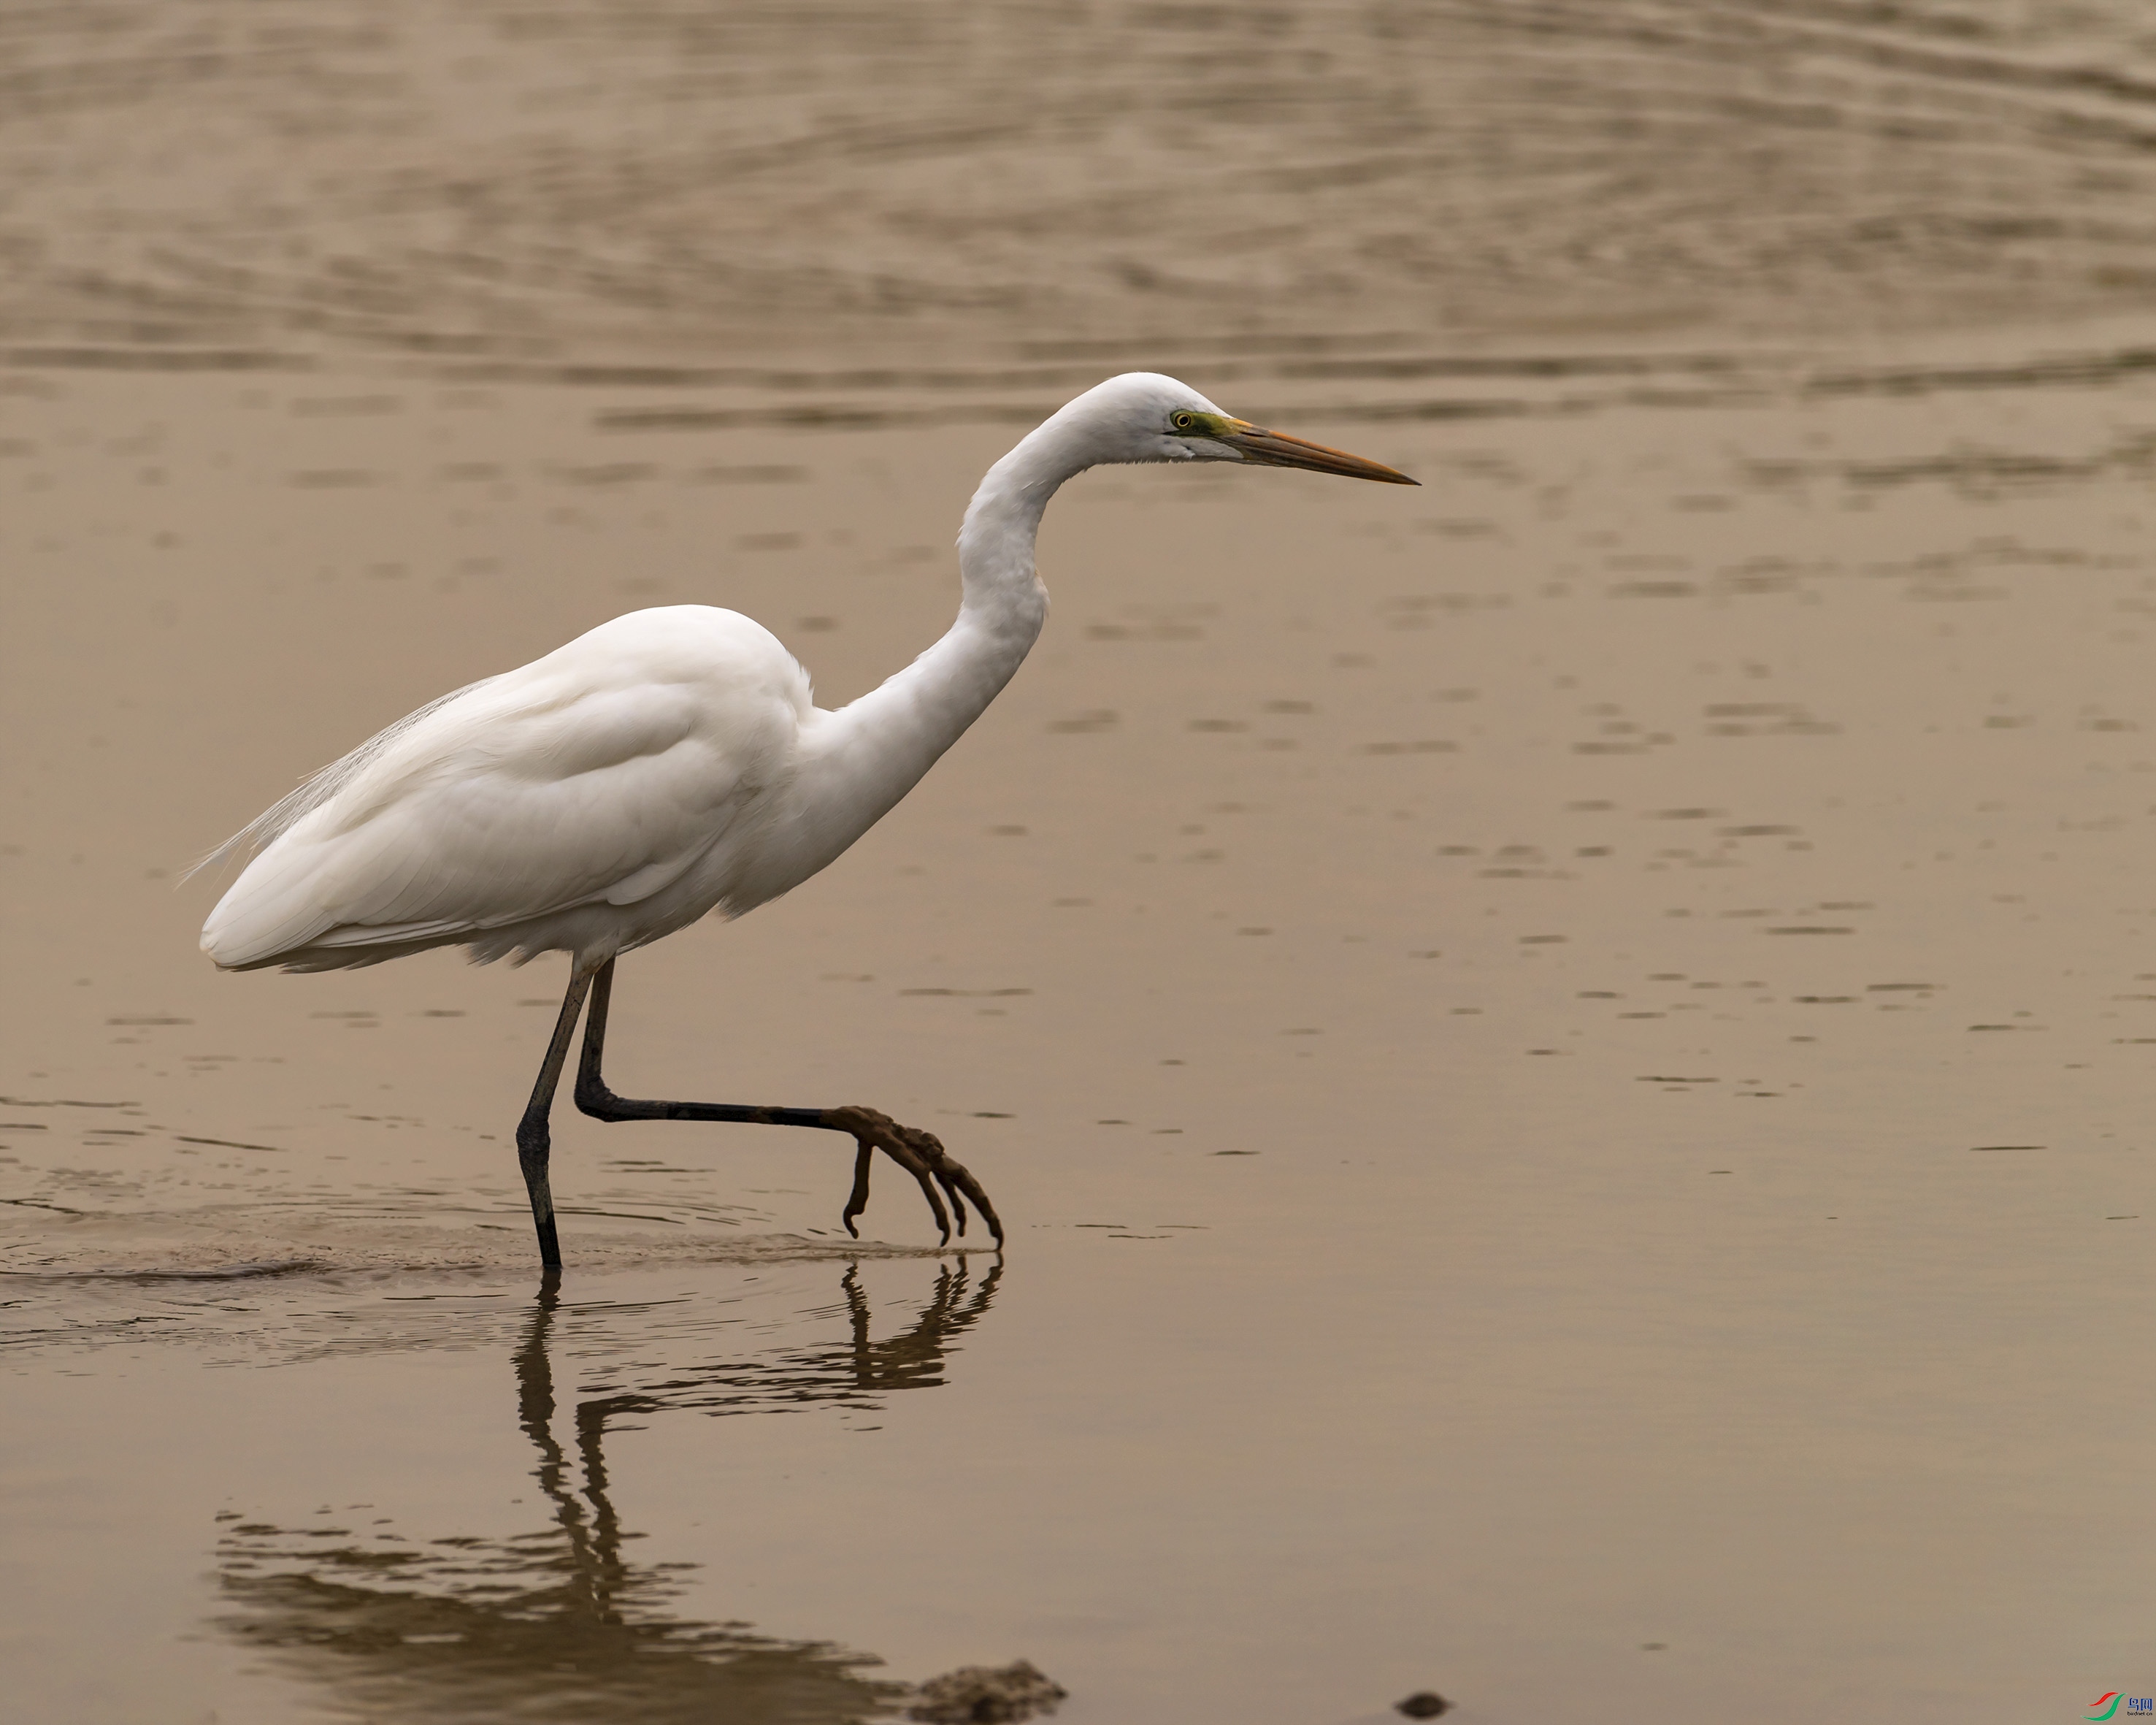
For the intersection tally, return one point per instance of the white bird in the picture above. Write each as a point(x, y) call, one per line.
point(670, 764)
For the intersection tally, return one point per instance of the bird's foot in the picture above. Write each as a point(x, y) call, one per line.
point(922, 1154)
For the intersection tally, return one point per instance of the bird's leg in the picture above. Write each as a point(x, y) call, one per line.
point(921, 1154)
point(532, 1141)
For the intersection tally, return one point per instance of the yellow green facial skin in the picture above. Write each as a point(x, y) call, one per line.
point(1189, 422)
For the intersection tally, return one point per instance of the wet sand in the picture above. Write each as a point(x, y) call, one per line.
point(1563, 1052)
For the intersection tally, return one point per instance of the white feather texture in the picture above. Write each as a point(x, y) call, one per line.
point(666, 765)
point(598, 776)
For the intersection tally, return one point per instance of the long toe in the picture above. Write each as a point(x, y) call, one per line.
point(908, 1158)
point(857, 1200)
point(955, 1177)
point(915, 1151)
point(952, 1176)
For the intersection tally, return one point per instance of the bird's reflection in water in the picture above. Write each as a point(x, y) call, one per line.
point(555, 1624)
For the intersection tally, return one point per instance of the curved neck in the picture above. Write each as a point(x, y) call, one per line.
point(868, 754)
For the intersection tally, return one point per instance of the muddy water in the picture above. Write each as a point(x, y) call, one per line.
point(1563, 1052)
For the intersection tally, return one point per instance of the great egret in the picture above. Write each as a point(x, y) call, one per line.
point(671, 763)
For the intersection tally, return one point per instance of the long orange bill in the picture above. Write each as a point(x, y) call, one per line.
point(1277, 449)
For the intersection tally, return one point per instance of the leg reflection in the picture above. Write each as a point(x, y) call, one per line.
point(589, 1526)
point(915, 1359)
point(555, 1623)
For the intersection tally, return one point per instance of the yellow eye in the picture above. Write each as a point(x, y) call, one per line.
point(1182, 422)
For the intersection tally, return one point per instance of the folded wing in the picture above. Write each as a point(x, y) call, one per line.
point(577, 781)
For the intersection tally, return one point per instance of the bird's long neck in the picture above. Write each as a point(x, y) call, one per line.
point(870, 754)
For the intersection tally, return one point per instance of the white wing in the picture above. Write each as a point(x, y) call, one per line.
point(600, 774)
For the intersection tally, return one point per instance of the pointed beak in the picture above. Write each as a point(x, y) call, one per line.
point(1277, 449)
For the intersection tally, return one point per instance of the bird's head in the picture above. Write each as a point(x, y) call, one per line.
point(1143, 416)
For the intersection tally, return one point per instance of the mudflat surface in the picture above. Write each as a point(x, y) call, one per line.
point(1564, 1054)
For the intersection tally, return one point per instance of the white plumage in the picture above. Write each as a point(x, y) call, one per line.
point(670, 764)
point(601, 797)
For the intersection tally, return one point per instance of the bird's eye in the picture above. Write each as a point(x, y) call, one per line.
point(1183, 421)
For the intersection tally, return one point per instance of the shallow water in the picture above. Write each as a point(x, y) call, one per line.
point(1562, 1052)
point(681, 180)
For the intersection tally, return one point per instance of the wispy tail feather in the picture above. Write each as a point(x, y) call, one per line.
point(317, 788)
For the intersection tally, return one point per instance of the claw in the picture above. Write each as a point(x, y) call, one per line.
point(952, 1177)
point(873, 1130)
point(922, 1154)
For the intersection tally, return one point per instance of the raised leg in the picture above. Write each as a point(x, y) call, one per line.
point(533, 1144)
point(921, 1154)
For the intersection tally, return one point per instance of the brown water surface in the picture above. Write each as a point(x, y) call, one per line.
point(1565, 1052)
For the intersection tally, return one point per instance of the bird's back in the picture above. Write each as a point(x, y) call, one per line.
point(574, 801)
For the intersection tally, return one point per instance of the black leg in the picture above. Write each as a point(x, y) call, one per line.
point(921, 1154)
point(532, 1142)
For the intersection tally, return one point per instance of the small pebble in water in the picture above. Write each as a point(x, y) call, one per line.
point(1423, 1704)
point(985, 1695)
